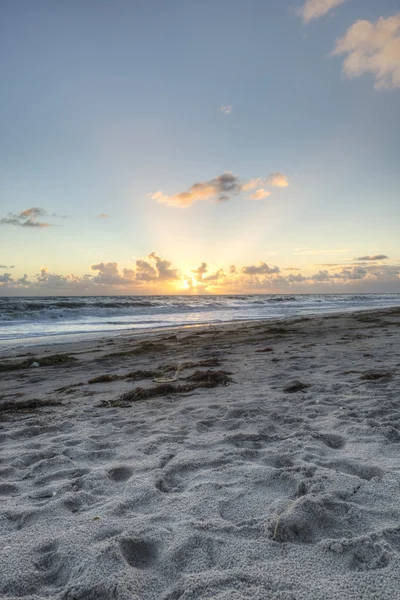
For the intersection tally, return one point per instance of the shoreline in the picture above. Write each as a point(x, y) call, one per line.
point(205, 461)
point(92, 338)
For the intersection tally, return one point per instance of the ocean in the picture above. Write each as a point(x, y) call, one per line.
point(27, 321)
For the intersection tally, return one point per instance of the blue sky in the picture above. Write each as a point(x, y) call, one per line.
point(114, 108)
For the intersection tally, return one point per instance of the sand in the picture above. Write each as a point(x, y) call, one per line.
point(281, 482)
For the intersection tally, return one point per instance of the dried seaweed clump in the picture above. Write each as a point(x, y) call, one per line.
point(199, 379)
point(375, 375)
point(32, 404)
point(53, 360)
point(143, 348)
point(296, 386)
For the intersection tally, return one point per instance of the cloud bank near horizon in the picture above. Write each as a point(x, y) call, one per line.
point(154, 274)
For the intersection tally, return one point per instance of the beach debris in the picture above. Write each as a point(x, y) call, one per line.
point(175, 377)
point(53, 360)
point(375, 375)
point(157, 375)
point(199, 379)
point(104, 379)
point(296, 386)
point(143, 348)
point(32, 404)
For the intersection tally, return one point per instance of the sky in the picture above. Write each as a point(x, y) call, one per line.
point(213, 147)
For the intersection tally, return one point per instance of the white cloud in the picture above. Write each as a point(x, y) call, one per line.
point(225, 110)
point(373, 48)
point(252, 183)
point(313, 9)
point(278, 180)
point(260, 194)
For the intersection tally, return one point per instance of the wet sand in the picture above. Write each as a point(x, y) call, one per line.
point(244, 461)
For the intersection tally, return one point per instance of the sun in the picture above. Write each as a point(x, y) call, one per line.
point(188, 282)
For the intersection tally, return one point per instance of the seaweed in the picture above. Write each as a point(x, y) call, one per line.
point(32, 404)
point(144, 348)
point(199, 379)
point(374, 375)
point(296, 386)
point(46, 361)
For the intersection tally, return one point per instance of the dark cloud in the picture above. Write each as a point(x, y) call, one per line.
point(376, 257)
point(214, 276)
point(5, 267)
point(145, 271)
point(26, 218)
point(261, 269)
point(6, 278)
point(222, 188)
point(157, 270)
point(353, 273)
point(321, 276)
point(108, 274)
point(201, 269)
point(296, 278)
point(163, 268)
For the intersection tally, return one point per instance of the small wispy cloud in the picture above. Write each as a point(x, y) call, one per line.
point(26, 218)
point(375, 257)
point(310, 252)
point(260, 194)
point(278, 180)
point(314, 9)
point(222, 188)
point(225, 110)
point(372, 48)
point(103, 216)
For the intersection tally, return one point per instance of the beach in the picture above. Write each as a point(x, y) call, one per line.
point(251, 460)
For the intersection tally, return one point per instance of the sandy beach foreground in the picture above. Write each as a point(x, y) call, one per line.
point(244, 461)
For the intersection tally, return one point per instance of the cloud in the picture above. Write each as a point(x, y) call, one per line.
point(252, 183)
point(5, 267)
point(103, 216)
point(26, 218)
point(309, 252)
point(260, 194)
point(225, 110)
point(108, 274)
point(278, 180)
point(261, 269)
point(372, 48)
point(156, 270)
point(376, 257)
point(214, 277)
point(201, 270)
point(222, 188)
point(321, 276)
point(313, 9)
point(5, 278)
